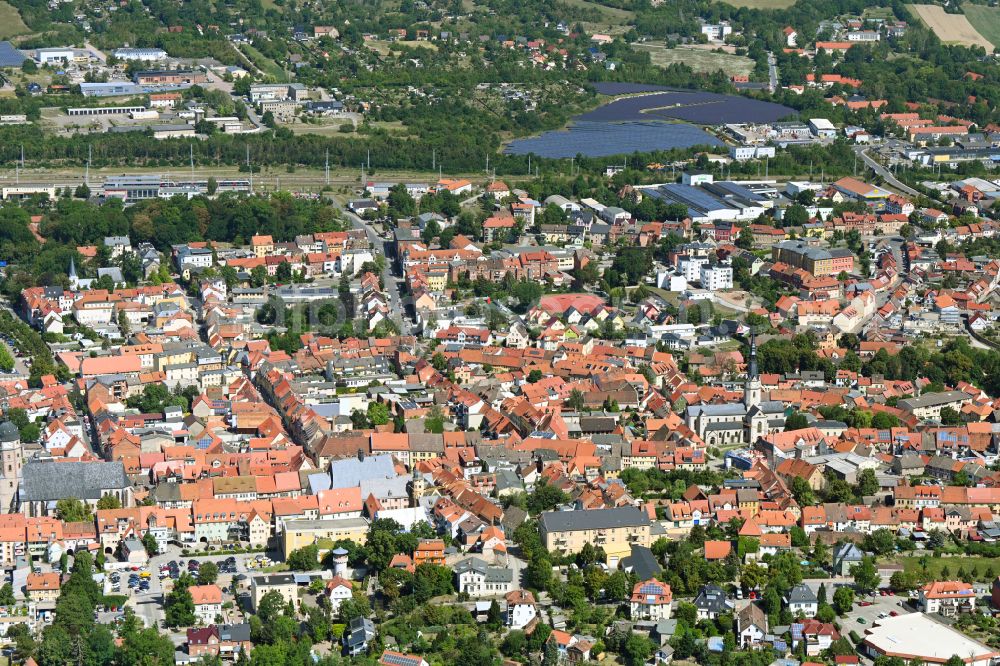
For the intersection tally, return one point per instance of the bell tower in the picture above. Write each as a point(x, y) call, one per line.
point(11, 461)
point(752, 387)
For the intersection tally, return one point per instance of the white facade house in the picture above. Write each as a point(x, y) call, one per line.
point(521, 608)
point(716, 277)
point(717, 32)
point(478, 579)
point(338, 589)
point(691, 267)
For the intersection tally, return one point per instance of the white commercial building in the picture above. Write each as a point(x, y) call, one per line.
point(143, 55)
point(822, 127)
point(54, 56)
point(915, 636)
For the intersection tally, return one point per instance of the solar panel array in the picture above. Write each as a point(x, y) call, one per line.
point(651, 588)
point(9, 56)
point(399, 660)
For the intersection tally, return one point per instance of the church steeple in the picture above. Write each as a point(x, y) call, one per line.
point(752, 387)
point(74, 280)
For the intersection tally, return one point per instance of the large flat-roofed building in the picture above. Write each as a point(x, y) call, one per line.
point(110, 88)
point(852, 188)
point(169, 77)
point(104, 110)
point(929, 405)
point(915, 636)
point(615, 530)
point(26, 191)
point(285, 584)
point(323, 532)
point(816, 260)
point(706, 201)
point(143, 55)
point(132, 188)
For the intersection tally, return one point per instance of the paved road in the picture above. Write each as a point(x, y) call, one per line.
point(96, 51)
point(884, 173)
point(389, 279)
point(772, 70)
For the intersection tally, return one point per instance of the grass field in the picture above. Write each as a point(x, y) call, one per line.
point(383, 47)
point(761, 4)
point(987, 567)
point(611, 15)
point(697, 59)
point(11, 24)
point(950, 28)
point(986, 21)
point(332, 129)
point(264, 64)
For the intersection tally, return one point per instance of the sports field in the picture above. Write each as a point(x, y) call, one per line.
point(986, 21)
point(951, 28)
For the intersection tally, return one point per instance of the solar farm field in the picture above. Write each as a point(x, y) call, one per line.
point(701, 108)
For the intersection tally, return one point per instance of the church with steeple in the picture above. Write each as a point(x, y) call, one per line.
point(730, 424)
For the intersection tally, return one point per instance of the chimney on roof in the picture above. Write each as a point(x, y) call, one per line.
point(361, 454)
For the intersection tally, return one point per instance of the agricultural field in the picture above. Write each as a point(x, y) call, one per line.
point(761, 4)
point(699, 60)
point(986, 21)
point(950, 28)
point(11, 24)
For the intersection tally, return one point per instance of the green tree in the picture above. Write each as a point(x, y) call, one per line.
point(304, 559)
point(638, 649)
point(867, 483)
point(72, 510)
point(208, 573)
point(7, 595)
point(880, 542)
point(378, 413)
point(494, 620)
point(109, 502)
point(545, 497)
point(149, 543)
point(843, 600)
point(866, 578)
point(6, 360)
point(884, 420)
point(179, 607)
point(796, 421)
point(434, 423)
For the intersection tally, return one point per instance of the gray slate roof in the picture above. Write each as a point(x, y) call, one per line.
point(594, 519)
point(46, 481)
point(9, 432)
